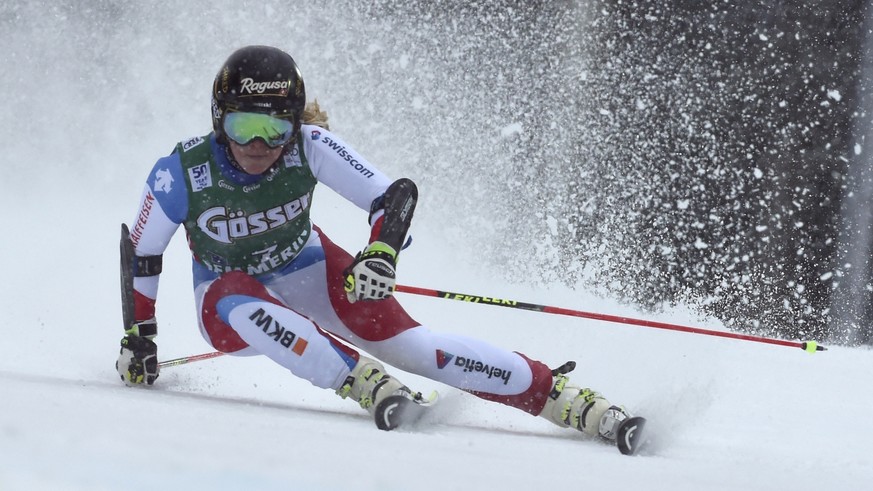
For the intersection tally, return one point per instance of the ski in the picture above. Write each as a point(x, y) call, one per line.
point(631, 435)
point(402, 409)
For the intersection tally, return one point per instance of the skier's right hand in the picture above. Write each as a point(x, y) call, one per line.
point(371, 276)
point(138, 360)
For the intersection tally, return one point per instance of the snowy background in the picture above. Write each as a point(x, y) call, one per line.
point(95, 93)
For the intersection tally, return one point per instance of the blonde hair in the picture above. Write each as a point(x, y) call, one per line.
point(312, 114)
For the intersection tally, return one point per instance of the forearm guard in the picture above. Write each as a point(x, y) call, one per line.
point(398, 202)
point(134, 266)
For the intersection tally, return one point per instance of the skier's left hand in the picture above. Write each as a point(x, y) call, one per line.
point(138, 359)
point(371, 276)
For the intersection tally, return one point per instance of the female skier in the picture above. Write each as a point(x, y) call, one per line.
point(268, 281)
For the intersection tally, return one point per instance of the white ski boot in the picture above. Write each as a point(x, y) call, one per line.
point(581, 408)
point(391, 403)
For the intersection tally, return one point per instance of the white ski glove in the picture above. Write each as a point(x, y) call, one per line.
point(371, 276)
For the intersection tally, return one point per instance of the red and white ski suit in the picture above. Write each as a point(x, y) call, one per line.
point(297, 316)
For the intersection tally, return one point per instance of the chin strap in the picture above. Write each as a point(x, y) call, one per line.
point(235, 164)
point(231, 159)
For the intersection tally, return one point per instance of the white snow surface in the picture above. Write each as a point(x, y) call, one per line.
point(725, 414)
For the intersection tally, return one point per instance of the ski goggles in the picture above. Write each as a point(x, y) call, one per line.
point(245, 127)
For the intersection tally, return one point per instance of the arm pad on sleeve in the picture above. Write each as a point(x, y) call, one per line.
point(398, 204)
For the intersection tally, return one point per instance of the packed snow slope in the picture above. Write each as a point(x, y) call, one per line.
point(726, 414)
point(94, 99)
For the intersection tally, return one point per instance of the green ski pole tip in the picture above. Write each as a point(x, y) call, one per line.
point(812, 347)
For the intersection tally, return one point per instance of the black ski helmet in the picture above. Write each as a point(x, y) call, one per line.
point(258, 79)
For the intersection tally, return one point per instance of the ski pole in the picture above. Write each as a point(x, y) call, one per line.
point(809, 346)
point(188, 359)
